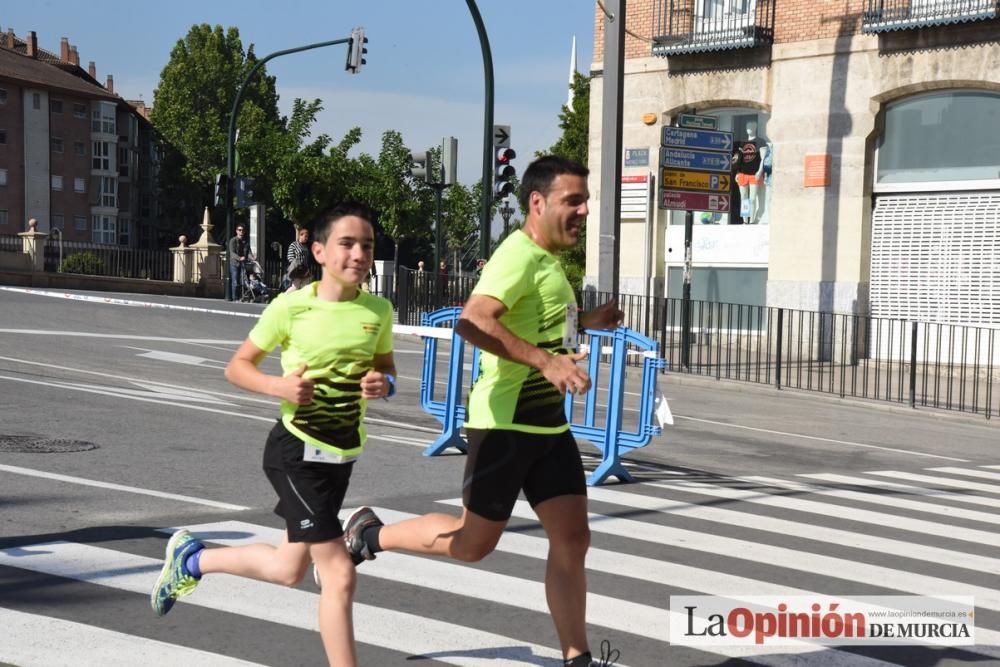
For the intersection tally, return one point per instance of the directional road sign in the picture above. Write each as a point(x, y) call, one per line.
point(694, 180)
point(683, 137)
point(501, 136)
point(694, 201)
point(688, 159)
point(697, 122)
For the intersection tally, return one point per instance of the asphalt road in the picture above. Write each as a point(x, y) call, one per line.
point(751, 491)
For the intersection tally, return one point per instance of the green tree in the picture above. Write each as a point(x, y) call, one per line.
point(405, 206)
point(309, 177)
point(573, 144)
point(191, 112)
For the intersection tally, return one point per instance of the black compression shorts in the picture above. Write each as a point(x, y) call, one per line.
point(502, 462)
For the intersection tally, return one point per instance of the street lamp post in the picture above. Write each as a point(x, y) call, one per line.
point(231, 138)
point(506, 212)
point(487, 199)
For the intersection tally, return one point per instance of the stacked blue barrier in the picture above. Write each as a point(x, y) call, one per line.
point(611, 437)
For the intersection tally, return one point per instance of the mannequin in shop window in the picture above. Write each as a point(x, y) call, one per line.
point(748, 167)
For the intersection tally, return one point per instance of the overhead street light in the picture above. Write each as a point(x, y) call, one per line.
point(224, 187)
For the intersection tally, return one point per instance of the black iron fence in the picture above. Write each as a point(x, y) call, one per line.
point(888, 15)
point(920, 364)
point(418, 292)
point(11, 243)
point(95, 259)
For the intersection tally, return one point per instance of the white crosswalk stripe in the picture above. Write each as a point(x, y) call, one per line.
point(31, 639)
point(673, 534)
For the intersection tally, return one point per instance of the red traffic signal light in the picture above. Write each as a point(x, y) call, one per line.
point(505, 155)
point(503, 172)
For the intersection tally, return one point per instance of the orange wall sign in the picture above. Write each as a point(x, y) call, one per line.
point(817, 171)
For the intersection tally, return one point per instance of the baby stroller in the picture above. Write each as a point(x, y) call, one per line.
point(253, 289)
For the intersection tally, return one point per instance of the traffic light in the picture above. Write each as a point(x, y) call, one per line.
point(420, 167)
point(356, 51)
point(221, 189)
point(244, 192)
point(503, 172)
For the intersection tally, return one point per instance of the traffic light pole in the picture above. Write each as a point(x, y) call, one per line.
point(438, 190)
point(231, 146)
point(487, 190)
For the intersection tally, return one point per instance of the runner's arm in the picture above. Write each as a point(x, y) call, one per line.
point(480, 324)
point(242, 371)
point(375, 384)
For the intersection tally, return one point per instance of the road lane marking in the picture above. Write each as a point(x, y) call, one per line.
point(17, 470)
point(820, 439)
point(842, 569)
point(23, 644)
point(398, 631)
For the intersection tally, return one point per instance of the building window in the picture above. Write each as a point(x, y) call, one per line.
point(3, 96)
point(102, 156)
point(80, 223)
point(57, 144)
point(79, 148)
point(55, 106)
point(79, 110)
point(942, 140)
point(79, 185)
point(103, 118)
point(123, 161)
point(57, 183)
point(36, 101)
point(109, 192)
point(3, 136)
point(104, 229)
point(3, 177)
point(3, 216)
point(58, 222)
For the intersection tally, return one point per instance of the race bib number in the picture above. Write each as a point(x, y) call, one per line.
point(313, 454)
point(572, 324)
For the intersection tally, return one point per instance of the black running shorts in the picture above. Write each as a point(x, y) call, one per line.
point(501, 463)
point(309, 494)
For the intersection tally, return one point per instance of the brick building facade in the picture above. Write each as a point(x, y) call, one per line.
point(73, 155)
point(875, 128)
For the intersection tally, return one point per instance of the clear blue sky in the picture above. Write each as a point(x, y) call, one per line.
point(424, 75)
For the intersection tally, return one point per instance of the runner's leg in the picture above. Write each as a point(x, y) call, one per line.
point(565, 521)
point(468, 538)
point(336, 620)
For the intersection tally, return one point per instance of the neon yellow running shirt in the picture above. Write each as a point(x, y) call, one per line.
point(336, 340)
point(532, 285)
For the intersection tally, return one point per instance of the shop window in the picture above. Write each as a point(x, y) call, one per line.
point(940, 141)
point(750, 176)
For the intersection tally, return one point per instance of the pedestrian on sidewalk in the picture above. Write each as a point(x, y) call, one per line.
point(336, 355)
point(299, 269)
point(523, 316)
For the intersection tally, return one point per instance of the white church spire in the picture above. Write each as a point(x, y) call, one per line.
point(572, 71)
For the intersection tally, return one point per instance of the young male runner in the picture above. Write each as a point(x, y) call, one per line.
point(523, 316)
point(336, 354)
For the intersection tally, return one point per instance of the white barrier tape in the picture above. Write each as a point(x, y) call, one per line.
point(125, 302)
point(442, 333)
point(445, 333)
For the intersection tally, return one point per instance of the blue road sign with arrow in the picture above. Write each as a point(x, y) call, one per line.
point(683, 137)
point(686, 159)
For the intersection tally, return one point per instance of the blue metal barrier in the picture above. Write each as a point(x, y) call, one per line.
point(610, 437)
point(450, 412)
